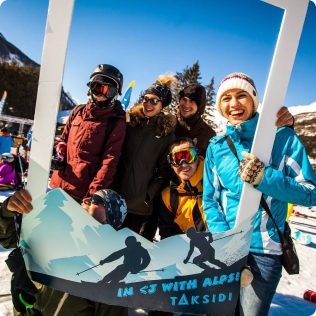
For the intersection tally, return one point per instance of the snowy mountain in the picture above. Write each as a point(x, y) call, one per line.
point(9, 51)
point(303, 109)
point(305, 128)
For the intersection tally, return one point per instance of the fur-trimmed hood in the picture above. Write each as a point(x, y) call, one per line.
point(166, 123)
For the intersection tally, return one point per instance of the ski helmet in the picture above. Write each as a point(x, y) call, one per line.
point(115, 206)
point(110, 72)
point(9, 157)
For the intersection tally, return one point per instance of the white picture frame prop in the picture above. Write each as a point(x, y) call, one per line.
point(278, 80)
point(57, 31)
point(67, 259)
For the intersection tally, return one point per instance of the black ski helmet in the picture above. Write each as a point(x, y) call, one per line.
point(115, 206)
point(111, 72)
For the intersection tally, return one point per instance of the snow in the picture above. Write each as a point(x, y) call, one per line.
point(72, 98)
point(302, 108)
point(287, 301)
point(289, 297)
point(16, 57)
point(62, 118)
point(5, 278)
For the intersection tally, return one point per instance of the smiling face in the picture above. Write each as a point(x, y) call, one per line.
point(187, 107)
point(149, 109)
point(237, 106)
point(185, 171)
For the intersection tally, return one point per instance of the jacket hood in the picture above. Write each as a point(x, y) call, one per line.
point(165, 123)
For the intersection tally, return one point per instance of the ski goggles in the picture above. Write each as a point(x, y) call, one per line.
point(96, 199)
point(102, 89)
point(152, 101)
point(177, 157)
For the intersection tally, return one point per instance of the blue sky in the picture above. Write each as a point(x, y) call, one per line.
point(147, 38)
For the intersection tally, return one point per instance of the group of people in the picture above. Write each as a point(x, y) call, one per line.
point(175, 173)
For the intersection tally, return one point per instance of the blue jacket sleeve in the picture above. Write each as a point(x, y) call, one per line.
point(211, 196)
point(293, 181)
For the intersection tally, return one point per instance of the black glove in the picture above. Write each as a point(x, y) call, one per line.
point(57, 165)
point(22, 288)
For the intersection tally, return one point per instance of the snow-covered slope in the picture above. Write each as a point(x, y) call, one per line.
point(303, 108)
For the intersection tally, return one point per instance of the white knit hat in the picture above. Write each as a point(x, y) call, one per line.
point(241, 81)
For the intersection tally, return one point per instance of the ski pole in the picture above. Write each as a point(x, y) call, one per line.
point(229, 235)
point(152, 270)
point(20, 162)
point(87, 269)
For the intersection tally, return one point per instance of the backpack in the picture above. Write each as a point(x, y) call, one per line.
point(109, 127)
point(174, 203)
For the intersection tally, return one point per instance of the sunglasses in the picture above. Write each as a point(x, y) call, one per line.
point(101, 89)
point(96, 199)
point(177, 157)
point(153, 101)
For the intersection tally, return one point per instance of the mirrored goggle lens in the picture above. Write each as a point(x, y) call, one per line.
point(99, 89)
point(189, 155)
point(153, 101)
point(96, 199)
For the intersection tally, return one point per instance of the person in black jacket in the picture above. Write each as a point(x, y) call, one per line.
point(192, 103)
point(143, 166)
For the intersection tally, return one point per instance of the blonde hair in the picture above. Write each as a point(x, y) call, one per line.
point(167, 79)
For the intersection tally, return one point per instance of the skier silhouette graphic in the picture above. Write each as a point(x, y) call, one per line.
point(199, 240)
point(136, 259)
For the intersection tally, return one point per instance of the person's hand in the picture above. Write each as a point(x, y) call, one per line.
point(86, 202)
point(20, 202)
point(285, 118)
point(185, 261)
point(246, 276)
point(251, 169)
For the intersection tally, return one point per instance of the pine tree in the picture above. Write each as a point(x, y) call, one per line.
point(21, 84)
point(140, 98)
point(208, 115)
point(188, 75)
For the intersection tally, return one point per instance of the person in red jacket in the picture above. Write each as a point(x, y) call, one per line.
point(90, 160)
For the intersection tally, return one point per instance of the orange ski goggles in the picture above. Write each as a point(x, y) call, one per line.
point(101, 89)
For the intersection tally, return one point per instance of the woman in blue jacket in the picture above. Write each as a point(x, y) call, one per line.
point(289, 178)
